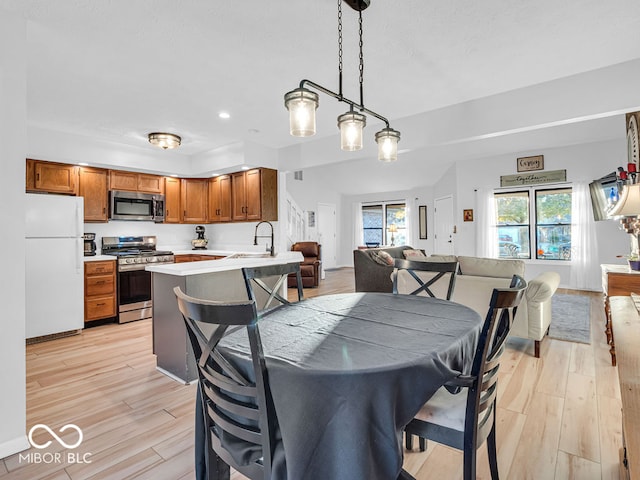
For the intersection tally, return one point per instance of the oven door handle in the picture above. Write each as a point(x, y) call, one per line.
point(131, 267)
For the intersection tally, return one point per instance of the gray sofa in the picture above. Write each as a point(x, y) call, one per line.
point(372, 274)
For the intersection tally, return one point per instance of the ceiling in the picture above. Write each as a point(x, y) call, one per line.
point(115, 70)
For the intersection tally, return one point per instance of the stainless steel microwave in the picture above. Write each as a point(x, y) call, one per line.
point(136, 206)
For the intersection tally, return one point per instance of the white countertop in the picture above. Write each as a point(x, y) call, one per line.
point(242, 259)
point(223, 253)
point(99, 258)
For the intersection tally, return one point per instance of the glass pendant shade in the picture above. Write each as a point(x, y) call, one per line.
point(351, 125)
point(302, 104)
point(387, 140)
point(164, 140)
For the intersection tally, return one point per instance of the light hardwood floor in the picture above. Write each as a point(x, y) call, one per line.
point(558, 418)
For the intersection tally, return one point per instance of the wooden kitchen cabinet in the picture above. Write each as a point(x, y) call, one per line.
point(193, 198)
point(135, 182)
point(51, 177)
point(150, 183)
point(172, 209)
point(93, 186)
point(99, 290)
point(255, 195)
point(220, 199)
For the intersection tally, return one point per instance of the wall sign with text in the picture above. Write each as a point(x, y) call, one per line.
point(552, 176)
point(528, 164)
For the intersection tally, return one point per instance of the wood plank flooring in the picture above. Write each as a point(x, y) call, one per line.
point(558, 417)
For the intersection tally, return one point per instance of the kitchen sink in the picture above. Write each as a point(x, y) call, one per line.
point(249, 255)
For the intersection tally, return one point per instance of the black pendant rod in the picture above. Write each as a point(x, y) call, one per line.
point(342, 98)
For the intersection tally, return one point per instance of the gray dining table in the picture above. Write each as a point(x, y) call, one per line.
point(349, 371)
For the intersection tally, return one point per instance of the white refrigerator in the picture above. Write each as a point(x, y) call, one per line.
point(54, 264)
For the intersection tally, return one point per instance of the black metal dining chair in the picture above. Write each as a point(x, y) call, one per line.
point(254, 277)
point(239, 416)
point(442, 271)
point(465, 420)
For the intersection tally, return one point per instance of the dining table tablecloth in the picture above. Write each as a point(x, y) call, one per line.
point(349, 371)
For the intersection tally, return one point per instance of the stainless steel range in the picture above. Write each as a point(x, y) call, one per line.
point(134, 282)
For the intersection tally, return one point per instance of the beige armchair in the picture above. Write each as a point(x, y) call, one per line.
point(476, 281)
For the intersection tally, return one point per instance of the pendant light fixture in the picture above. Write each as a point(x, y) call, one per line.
point(164, 140)
point(303, 102)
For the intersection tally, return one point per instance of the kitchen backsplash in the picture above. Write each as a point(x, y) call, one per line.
point(233, 236)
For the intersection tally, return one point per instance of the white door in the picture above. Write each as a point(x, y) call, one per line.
point(327, 234)
point(444, 224)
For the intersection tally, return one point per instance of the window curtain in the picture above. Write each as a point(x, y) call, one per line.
point(408, 224)
point(358, 232)
point(584, 272)
point(486, 230)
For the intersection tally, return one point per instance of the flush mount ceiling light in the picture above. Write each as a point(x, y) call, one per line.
point(303, 102)
point(164, 140)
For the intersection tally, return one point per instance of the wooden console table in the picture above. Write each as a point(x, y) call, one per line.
point(626, 324)
point(617, 280)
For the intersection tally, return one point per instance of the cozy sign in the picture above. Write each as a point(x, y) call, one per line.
point(528, 164)
point(553, 176)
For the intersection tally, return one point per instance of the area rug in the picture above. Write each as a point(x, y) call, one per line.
point(570, 318)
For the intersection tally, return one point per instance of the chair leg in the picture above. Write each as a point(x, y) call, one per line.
point(422, 443)
point(536, 348)
point(470, 464)
point(492, 451)
point(408, 441)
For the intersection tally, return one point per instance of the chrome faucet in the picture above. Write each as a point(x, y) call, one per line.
point(256, 236)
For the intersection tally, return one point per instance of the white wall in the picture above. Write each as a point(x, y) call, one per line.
point(584, 162)
point(13, 146)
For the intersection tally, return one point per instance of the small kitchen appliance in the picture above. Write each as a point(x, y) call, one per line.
point(89, 244)
point(134, 282)
point(201, 242)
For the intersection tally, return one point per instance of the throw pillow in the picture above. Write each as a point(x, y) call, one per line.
point(411, 254)
point(381, 257)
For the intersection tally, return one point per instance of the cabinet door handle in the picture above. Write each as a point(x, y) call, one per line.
point(37, 176)
point(100, 304)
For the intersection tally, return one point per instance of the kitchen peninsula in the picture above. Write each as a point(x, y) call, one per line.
point(212, 280)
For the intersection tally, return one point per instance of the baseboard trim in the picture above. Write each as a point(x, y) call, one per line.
point(14, 446)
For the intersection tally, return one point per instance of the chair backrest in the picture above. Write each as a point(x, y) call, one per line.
point(442, 270)
point(308, 249)
point(240, 419)
point(481, 399)
point(254, 277)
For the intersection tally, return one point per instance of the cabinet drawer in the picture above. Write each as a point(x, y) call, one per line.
point(100, 307)
point(93, 268)
point(100, 285)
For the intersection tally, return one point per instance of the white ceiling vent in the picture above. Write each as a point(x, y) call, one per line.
point(297, 175)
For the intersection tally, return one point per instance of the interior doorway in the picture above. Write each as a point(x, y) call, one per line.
point(327, 234)
point(444, 226)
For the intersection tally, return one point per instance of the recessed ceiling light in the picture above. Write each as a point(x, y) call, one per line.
point(83, 164)
point(245, 167)
point(215, 174)
point(224, 115)
point(173, 175)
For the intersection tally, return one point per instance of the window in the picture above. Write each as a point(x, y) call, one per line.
point(377, 220)
point(538, 217)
